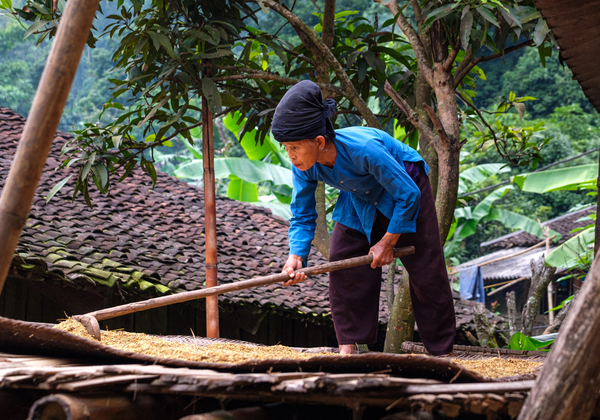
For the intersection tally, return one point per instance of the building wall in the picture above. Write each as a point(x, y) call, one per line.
point(38, 301)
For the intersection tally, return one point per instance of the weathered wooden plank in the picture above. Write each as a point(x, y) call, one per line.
point(104, 382)
point(34, 306)
point(274, 325)
point(470, 387)
point(21, 302)
point(159, 320)
point(142, 322)
point(10, 298)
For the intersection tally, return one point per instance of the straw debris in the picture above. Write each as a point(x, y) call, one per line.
point(165, 349)
point(496, 367)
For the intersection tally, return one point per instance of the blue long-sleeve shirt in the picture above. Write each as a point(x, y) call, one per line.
point(370, 174)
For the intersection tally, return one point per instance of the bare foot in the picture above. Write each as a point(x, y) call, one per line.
point(347, 349)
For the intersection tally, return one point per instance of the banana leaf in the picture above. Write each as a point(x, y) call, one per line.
point(245, 169)
point(571, 178)
point(241, 190)
point(518, 221)
point(280, 209)
point(573, 251)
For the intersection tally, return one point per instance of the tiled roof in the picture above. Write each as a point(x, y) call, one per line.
point(146, 242)
point(576, 27)
point(563, 225)
point(508, 269)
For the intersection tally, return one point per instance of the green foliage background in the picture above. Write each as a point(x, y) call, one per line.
point(569, 118)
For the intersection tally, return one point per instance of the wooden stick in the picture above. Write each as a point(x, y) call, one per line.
point(508, 284)
point(516, 254)
point(240, 285)
point(210, 219)
point(38, 134)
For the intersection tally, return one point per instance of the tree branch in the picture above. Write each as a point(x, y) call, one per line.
point(414, 39)
point(447, 66)
point(461, 73)
point(411, 114)
point(259, 74)
point(349, 89)
point(437, 124)
point(417, 11)
point(328, 23)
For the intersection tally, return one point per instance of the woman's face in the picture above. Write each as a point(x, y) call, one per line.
point(303, 153)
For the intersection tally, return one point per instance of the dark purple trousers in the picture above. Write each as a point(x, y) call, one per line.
point(354, 292)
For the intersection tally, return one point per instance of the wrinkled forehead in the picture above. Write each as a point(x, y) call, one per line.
point(298, 143)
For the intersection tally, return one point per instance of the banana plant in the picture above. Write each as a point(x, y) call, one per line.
point(579, 249)
point(263, 178)
point(467, 218)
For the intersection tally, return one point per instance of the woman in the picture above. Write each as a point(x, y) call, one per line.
point(385, 201)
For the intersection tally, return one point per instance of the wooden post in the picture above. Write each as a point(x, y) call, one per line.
point(210, 220)
point(102, 407)
point(41, 125)
point(568, 386)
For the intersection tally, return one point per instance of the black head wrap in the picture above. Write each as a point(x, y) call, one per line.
point(302, 114)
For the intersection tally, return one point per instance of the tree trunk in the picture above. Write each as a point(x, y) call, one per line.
point(484, 329)
point(389, 285)
point(447, 192)
point(401, 322)
point(569, 384)
point(423, 96)
point(322, 240)
point(448, 148)
point(597, 232)
point(512, 313)
point(560, 318)
point(541, 275)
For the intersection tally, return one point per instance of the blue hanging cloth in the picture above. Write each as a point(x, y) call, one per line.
point(471, 284)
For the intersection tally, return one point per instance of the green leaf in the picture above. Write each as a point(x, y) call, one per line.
point(245, 169)
point(100, 175)
point(540, 32)
point(363, 67)
point(519, 341)
point(280, 209)
point(57, 188)
point(571, 252)
point(88, 165)
point(438, 14)
point(241, 190)
point(487, 15)
point(35, 27)
point(557, 179)
point(210, 91)
point(480, 173)
point(466, 24)
point(517, 221)
point(197, 154)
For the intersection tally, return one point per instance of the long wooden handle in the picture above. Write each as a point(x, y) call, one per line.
point(129, 308)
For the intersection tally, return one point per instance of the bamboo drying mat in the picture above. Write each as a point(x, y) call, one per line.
point(21, 337)
point(472, 353)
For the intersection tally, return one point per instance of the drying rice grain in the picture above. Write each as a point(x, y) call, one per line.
point(164, 349)
point(495, 367)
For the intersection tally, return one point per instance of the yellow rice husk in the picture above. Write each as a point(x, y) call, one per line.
point(213, 353)
point(495, 367)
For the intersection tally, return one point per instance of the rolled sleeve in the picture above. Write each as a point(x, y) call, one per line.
point(304, 215)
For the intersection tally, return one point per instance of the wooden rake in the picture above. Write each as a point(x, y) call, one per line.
point(90, 320)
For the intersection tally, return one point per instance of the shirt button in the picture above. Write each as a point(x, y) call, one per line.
point(341, 182)
point(354, 189)
point(367, 192)
point(375, 203)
